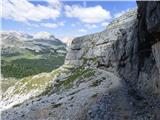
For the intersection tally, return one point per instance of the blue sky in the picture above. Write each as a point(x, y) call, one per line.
point(67, 18)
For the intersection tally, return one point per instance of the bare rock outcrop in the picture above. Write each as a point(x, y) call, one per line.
point(129, 46)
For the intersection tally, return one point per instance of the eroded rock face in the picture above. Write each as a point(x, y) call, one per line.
point(149, 16)
point(156, 53)
point(129, 50)
point(100, 47)
point(148, 37)
point(125, 47)
point(115, 74)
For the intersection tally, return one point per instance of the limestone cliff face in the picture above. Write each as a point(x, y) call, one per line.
point(129, 47)
point(111, 75)
point(98, 49)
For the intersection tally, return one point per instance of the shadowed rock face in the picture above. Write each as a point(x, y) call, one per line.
point(148, 40)
point(115, 74)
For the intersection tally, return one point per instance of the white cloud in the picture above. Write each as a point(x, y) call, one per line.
point(120, 13)
point(44, 35)
point(54, 3)
point(22, 10)
point(82, 30)
point(91, 26)
point(88, 14)
point(104, 24)
point(52, 25)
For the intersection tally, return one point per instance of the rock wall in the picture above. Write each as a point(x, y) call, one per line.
point(148, 40)
point(98, 49)
point(129, 47)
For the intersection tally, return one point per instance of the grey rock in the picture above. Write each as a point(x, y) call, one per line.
point(156, 53)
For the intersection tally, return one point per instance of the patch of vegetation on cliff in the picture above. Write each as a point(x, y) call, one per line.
point(96, 83)
point(93, 60)
point(89, 73)
point(79, 73)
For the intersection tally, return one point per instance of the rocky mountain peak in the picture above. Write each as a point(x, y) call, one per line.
point(15, 35)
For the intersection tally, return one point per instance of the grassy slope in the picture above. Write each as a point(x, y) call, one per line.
point(5, 84)
point(40, 82)
point(43, 82)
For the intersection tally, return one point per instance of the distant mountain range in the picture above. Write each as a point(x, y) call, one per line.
point(38, 43)
point(25, 53)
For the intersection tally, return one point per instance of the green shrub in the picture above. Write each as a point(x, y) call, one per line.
point(96, 83)
point(77, 74)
